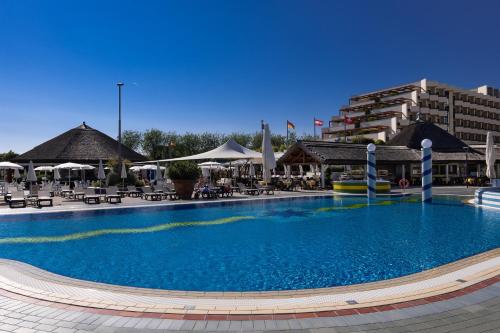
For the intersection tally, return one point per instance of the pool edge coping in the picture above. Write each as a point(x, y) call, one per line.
point(433, 294)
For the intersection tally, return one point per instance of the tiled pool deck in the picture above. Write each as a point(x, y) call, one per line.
point(461, 296)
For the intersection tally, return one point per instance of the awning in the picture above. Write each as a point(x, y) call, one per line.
point(230, 150)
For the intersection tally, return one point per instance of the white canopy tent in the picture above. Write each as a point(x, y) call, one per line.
point(230, 150)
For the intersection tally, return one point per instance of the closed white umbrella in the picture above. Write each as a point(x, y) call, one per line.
point(101, 175)
point(205, 172)
point(490, 157)
point(251, 173)
point(251, 170)
point(236, 171)
point(288, 171)
point(123, 174)
point(301, 170)
point(158, 172)
point(16, 174)
point(31, 177)
point(57, 175)
point(268, 158)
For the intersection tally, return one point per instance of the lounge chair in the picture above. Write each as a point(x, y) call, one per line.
point(16, 198)
point(269, 189)
point(78, 193)
point(246, 190)
point(112, 195)
point(147, 193)
point(123, 192)
point(66, 192)
point(91, 197)
point(132, 191)
point(42, 196)
point(168, 192)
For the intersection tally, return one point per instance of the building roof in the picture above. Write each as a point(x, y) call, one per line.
point(324, 152)
point(412, 135)
point(79, 144)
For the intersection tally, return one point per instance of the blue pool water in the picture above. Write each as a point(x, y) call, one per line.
point(272, 245)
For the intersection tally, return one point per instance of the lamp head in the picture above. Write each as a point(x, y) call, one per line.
point(426, 143)
point(371, 147)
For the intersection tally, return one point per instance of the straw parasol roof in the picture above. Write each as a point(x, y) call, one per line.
point(82, 144)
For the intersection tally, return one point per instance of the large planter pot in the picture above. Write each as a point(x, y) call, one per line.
point(184, 188)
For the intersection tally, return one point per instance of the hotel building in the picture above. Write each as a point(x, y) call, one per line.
point(380, 115)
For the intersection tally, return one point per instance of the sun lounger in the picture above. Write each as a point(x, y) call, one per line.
point(112, 196)
point(16, 198)
point(133, 192)
point(66, 192)
point(91, 197)
point(168, 192)
point(269, 189)
point(246, 190)
point(147, 193)
point(43, 196)
point(122, 192)
point(78, 193)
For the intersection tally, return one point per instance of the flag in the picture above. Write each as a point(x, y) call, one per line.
point(318, 122)
point(347, 120)
point(290, 125)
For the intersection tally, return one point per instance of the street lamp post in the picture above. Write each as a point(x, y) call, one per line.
point(119, 84)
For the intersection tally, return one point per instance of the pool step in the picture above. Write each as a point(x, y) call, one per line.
point(489, 197)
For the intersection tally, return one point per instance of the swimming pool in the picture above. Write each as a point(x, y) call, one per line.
point(253, 245)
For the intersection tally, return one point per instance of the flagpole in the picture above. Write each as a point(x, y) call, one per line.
point(287, 142)
point(314, 127)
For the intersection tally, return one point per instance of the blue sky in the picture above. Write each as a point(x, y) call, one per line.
point(225, 65)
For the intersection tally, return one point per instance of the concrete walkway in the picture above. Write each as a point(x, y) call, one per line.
point(475, 312)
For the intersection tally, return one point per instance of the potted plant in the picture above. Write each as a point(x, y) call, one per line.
point(184, 175)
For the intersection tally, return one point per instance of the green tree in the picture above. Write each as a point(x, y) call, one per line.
point(8, 155)
point(154, 143)
point(243, 139)
point(132, 139)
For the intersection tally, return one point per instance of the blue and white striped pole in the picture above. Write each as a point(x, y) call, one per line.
point(426, 170)
point(371, 171)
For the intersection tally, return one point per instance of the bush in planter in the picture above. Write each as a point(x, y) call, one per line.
point(113, 179)
point(184, 174)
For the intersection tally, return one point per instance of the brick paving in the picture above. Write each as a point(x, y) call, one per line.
point(475, 312)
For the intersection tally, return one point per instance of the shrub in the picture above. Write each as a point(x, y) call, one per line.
point(184, 170)
point(114, 179)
